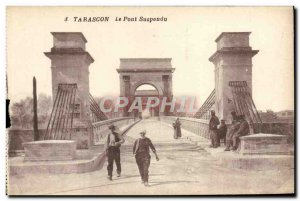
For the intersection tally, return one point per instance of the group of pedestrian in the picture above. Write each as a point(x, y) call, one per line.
point(141, 151)
point(142, 145)
point(238, 128)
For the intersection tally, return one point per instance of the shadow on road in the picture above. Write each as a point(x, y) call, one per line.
point(137, 175)
point(170, 182)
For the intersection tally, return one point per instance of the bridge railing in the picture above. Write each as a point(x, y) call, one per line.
point(197, 126)
point(101, 130)
point(200, 126)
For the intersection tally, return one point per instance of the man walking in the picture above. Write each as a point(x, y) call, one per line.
point(141, 150)
point(213, 128)
point(112, 146)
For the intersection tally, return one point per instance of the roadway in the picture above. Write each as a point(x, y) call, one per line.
point(184, 168)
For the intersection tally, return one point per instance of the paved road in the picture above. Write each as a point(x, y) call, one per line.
point(184, 168)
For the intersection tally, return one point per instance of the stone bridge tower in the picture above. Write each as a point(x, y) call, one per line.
point(135, 72)
point(70, 65)
point(233, 62)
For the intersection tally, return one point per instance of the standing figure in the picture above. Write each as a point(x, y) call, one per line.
point(141, 150)
point(213, 128)
point(112, 146)
point(222, 131)
point(232, 129)
point(177, 128)
point(229, 136)
point(234, 116)
point(243, 130)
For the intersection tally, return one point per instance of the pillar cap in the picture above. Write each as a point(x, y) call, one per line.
point(231, 33)
point(63, 34)
point(68, 43)
point(52, 55)
point(146, 64)
point(227, 51)
point(233, 43)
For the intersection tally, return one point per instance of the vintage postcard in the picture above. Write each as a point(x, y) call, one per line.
point(111, 101)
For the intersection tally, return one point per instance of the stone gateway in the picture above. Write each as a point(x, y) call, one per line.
point(135, 72)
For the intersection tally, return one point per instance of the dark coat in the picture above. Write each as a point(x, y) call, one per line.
point(222, 131)
point(177, 129)
point(244, 129)
point(213, 123)
point(232, 130)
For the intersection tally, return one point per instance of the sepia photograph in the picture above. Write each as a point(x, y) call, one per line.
point(150, 101)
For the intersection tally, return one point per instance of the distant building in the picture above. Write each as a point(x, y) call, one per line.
point(285, 115)
point(277, 117)
point(268, 117)
point(277, 122)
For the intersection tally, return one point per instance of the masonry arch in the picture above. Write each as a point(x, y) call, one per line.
point(144, 91)
point(135, 72)
point(140, 84)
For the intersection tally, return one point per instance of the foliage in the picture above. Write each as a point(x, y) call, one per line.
point(21, 112)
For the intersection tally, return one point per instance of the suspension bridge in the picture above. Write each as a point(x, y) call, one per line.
point(187, 165)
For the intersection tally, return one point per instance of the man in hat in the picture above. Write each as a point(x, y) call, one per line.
point(112, 146)
point(222, 131)
point(235, 125)
point(213, 128)
point(243, 130)
point(234, 116)
point(141, 150)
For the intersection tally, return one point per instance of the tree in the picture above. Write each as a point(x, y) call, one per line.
point(17, 110)
point(21, 112)
point(44, 109)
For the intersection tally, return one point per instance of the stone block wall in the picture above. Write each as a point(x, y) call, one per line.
point(18, 136)
point(264, 144)
point(50, 150)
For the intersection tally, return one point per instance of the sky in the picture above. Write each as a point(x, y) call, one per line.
point(188, 37)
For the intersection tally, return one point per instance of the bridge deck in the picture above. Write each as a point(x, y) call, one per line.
point(184, 168)
point(157, 131)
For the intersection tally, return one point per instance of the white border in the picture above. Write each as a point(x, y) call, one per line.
point(5, 3)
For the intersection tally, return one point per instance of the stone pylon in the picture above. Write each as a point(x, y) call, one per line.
point(70, 65)
point(233, 62)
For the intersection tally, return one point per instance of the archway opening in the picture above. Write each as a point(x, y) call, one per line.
point(145, 91)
